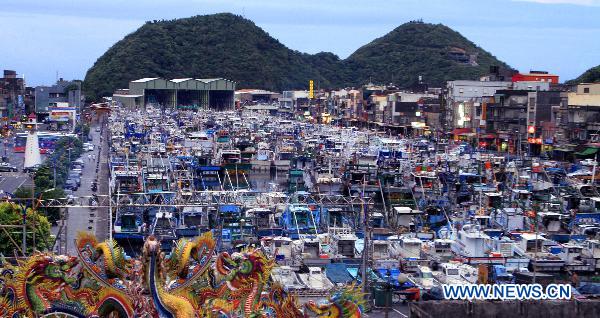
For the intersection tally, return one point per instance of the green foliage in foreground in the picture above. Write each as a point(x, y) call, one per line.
point(38, 230)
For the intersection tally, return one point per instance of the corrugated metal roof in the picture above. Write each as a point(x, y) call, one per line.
point(126, 96)
point(179, 80)
point(146, 79)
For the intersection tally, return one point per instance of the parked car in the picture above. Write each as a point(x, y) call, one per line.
point(75, 177)
point(71, 184)
point(6, 167)
point(31, 169)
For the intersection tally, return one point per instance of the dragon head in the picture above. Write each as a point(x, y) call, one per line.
point(41, 280)
point(61, 267)
point(241, 269)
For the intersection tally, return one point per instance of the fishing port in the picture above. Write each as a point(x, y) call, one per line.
point(172, 183)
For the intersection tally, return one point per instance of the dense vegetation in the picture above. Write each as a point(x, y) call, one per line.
point(417, 48)
point(590, 76)
point(229, 46)
point(38, 230)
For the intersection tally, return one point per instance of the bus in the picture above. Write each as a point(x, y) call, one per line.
point(46, 141)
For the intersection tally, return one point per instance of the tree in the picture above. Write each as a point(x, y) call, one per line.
point(38, 230)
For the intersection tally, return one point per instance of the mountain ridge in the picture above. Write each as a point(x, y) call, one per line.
point(592, 75)
point(232, 47)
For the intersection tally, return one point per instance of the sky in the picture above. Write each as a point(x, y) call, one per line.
point(42, 39)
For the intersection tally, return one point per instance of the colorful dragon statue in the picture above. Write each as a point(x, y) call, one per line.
point(245, 274)
point(37, 285)
point(345, 303)
point(191, 281)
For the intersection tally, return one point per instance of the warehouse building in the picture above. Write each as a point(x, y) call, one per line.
point(181, 93)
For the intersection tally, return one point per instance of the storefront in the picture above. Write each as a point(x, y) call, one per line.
point(62, 118)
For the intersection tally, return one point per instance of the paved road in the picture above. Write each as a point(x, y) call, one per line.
point(84, 219)
point(11, 181)
point(102, 223)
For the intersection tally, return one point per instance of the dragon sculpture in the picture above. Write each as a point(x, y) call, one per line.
point(37, 285)
point(345, 303)
point(190, 281)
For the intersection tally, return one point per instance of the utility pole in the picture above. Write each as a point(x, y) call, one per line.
point(366, 249)
point(32, 209)
point(24, 243)
point(535, 220)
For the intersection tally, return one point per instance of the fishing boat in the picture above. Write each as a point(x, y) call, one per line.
point(287, 278)
point(315, 280)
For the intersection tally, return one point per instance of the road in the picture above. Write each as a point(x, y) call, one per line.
point(86, 219)
point(11, 181)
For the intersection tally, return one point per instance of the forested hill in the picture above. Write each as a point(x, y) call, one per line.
point(232, 47)
point(590, 76)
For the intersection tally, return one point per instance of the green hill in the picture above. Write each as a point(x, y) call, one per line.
point(590, 76)
point(434, 51)
point(229, 46)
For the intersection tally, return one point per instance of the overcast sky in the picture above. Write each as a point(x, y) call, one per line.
point(41, 37)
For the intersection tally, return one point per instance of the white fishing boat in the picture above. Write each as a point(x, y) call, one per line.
point(538, 249)
point(449, 273)
point(591, 252)
point(315, 280)
point(471, 242)
point(571, 254)
point(287, 278)
point(342, 242)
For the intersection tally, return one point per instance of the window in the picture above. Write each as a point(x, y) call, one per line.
point(586, 90)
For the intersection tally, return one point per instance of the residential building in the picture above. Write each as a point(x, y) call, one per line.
point(406, 108)
point(463, 106)
point(581, 113)
point(61, 92)
point(12, 95)
point(536, 76)
point(294, 101)
point(521, 117)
